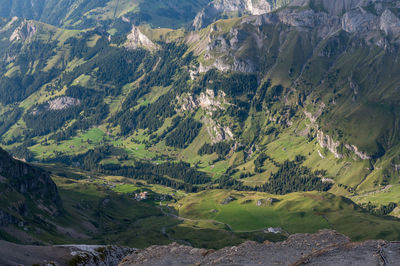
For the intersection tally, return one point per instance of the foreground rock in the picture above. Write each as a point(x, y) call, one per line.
point(324, 248)
point(14, 254)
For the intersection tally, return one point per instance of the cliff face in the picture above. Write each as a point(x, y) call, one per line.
point(220, 8)
point(24, 32)
point(372, 21)
point(324, 248)
point(25, 189)
point(136, 39)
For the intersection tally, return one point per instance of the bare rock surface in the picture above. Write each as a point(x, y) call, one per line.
point(136, 39)
point(25, 31)
point(61, 103)
point(323, 248)
point(217, 8)
point(326, 247)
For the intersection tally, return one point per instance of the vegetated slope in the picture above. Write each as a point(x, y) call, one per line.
point(300, 212)
point(272, 98)
point(119, 14)
point(318, 65)
point(299, 99)
point(109, 210)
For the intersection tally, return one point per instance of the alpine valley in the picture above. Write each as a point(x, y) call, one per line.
point(207, 123)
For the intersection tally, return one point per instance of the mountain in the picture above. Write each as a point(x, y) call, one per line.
point(315, 59)
point(306, 72)
point(295, 100)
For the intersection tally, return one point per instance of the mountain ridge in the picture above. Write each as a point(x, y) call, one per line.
point(108, 14)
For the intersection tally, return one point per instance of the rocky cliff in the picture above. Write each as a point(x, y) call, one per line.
point(136, 39)
point(373, 21)
point(220, 8)
point(323, 248)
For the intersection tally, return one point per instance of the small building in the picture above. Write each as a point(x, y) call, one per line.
point(141, 196)
point(274, 230)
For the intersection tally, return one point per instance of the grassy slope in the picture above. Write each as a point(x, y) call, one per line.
point(287, 146)
point(296, 212)
point(100, 210)
point(289, 213)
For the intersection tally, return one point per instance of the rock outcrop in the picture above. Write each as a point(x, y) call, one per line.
point(24, 32)
point(218, 8)
point(210, 102)
point(206, 100)
point(63, 103)
point(216, 131)
point(136, 39)
point(323, 248)
point(59, 103)
point(326, 141)
point(354, 149)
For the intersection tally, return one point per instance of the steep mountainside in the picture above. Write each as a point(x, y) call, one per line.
point(339, 68)
point(334, 60)
point(306, 72)
point(27, 193)
point(302, 98)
